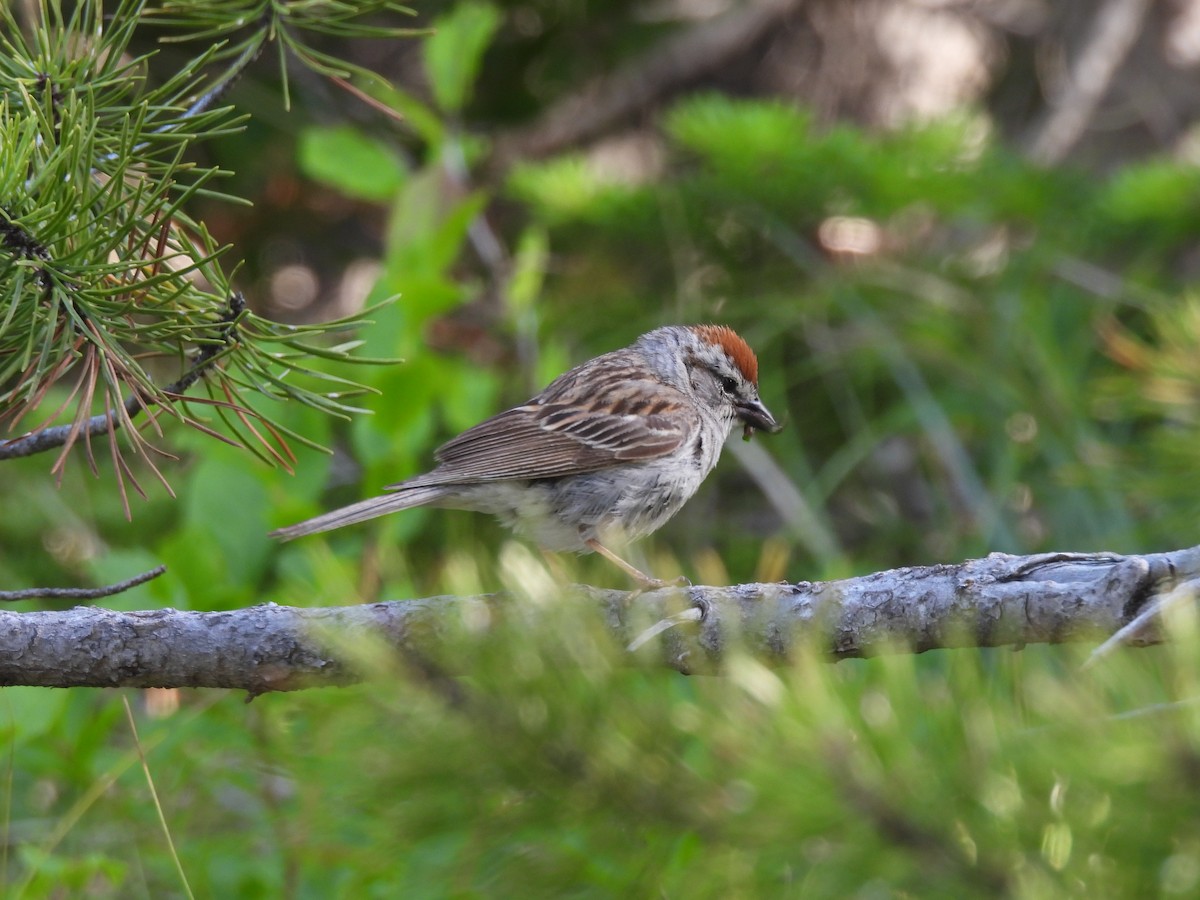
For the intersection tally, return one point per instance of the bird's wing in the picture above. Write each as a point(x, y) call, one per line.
point(580, 423)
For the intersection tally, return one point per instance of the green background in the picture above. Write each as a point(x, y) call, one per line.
point(1008, 359)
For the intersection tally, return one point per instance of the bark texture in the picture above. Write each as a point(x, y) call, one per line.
point(999, 600)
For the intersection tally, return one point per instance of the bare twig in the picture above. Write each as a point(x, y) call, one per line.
point(81, 593)
point(996, 601)
point(217, 92)
point(1183, 593)
point(695, 614)
point(1114, 31)
point(615, 98)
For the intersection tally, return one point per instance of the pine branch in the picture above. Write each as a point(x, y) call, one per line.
point(102, 269)
point(107, 423)
point(1001, 600)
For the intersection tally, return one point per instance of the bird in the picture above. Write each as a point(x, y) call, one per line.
point(606, 454)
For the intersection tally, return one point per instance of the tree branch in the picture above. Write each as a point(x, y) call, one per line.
point(106, 423)
point(997, 601)
point(1115, 29)
point(617, 97)
point(107, 590)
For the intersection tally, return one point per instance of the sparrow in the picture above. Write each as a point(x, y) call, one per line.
point(606, 454)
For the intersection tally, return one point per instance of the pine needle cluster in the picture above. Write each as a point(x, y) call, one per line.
point(114, 299)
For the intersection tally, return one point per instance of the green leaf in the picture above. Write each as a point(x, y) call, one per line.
point(529, 269)
point(424, 121)
point(725, 130)
point(453, 54)
point(27, 713)
point(356, 164)
point(1155, 192)
point(228, 503)
point(564, 189)
point(428, 229)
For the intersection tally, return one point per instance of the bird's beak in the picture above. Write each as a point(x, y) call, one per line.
point(756, 416)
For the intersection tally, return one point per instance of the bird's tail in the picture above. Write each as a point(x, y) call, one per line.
point(361, 512)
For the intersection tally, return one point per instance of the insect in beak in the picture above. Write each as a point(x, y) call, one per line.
point(756, 417)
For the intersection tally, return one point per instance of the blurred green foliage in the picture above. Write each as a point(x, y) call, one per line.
point(455, 49)
point(972, 354)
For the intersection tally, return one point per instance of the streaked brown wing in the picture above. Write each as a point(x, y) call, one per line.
point(582, 422)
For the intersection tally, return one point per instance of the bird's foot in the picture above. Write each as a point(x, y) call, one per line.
point(645, 582)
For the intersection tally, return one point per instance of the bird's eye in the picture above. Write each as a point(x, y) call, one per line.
point(729, 384)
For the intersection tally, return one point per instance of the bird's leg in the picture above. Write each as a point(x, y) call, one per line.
point(645, 582)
